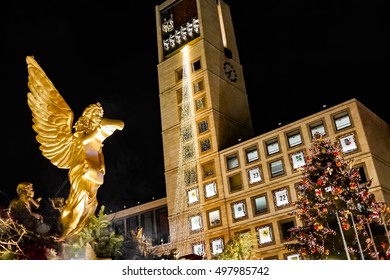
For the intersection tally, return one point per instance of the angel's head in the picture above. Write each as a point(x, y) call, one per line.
point(90, 119)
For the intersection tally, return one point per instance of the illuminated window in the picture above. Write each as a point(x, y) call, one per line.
point(196, 222)
point(210, 189)
point(251, 154)
point(281, 197)
point(232, 161)
point(317, 127)
point(342, 120)
point(208, 169)
point(239, 210)
point(272, 146)
point(214, 218)
point(193, 196)
point(254, 175)
point(190, 176)
point(276, 168)
point(198, 86)
point(348, 143)
point(216, 246)
point(205, 145)
point(203, 126)
point(200, 103)
point(298, 159)
point(198, 249)
point(294, 138)
point(293, 257)
point(265, 235)
point(260, 204)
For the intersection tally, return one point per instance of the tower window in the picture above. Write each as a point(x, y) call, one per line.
point(205, 145)
point(203, 126)
point(190, 176)
point(196, 65)
point(179, 74)
point(208, 169)
point(210, 189)
point(198, 86)
point(200, 103)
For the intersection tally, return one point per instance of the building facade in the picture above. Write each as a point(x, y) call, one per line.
point(220, 179)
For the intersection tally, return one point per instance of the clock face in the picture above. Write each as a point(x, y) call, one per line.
point(230, 72)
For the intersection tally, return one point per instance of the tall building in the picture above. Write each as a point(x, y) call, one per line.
point(220, 179)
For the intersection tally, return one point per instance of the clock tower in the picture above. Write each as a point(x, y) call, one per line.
point(204, 109)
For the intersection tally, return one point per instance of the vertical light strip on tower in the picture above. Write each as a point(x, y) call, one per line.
point(187, 225)
point(220, 16)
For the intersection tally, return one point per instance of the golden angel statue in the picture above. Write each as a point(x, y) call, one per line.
point(75, 147)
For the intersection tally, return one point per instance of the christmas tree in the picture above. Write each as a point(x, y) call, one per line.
point(340, 217)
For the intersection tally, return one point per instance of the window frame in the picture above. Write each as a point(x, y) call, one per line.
point(292, 161)
point(220, 241)
point(316, 124)
point(348, 137)
point(198, 125)
point(205, 164)
point(230, 157)
point(200, 145)
point(265, 242)
point(203, 99)
point(287, 197)
point(209, 221)
point(192, 223)
point(194, 66)
point(340, 115)
point(282, 235)
point(272, 176)
point(254, 208)
point(292, 133)
point(293, 256)
point(203, 248)
point(230, 183)
point(249, 172)
point(251, 149)
point(269, 142)
point(234, 205)
point(179, 74)
point(198, 86)
point(214, 183)
point(193, 192)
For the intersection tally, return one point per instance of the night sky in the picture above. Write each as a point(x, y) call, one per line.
point(297, 56)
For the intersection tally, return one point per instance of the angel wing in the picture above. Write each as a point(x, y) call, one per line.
point(52, 117)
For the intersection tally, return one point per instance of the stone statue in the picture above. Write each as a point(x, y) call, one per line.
point(75, 147)
point(25, 206)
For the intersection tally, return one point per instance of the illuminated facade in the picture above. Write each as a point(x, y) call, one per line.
point(220, 179)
